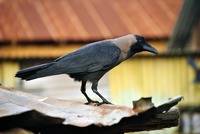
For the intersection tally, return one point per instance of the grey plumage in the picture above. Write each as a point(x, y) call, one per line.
point(90, 62)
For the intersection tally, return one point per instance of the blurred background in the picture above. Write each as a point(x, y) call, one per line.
point(33, 32)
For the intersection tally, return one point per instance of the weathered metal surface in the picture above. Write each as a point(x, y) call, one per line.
point(85, 20)
point(34, 111)
point(74, 113)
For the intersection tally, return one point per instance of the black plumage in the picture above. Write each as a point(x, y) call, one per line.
point(90, 62)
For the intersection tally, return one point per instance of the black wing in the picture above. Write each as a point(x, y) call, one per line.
point(93, 57)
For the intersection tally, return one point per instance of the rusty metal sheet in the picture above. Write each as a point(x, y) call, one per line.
point(89, 20)
point(53, 111)
point(74, 113)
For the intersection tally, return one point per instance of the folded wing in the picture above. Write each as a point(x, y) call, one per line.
point(94, 57)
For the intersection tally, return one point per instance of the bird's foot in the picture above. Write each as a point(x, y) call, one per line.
point(104, 102)
point(92, 102)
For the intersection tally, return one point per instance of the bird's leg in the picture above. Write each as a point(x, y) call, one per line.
point(83, 89)
point(94, 89)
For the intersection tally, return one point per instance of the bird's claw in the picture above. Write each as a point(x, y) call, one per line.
point(104, 102)
point(91, 102)
point(96, 103)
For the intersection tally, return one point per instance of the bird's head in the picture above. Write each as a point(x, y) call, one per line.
point(139, 44)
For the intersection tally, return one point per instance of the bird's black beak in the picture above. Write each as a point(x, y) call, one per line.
point(149, 48)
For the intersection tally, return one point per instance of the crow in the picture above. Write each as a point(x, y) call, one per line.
point(91, 62)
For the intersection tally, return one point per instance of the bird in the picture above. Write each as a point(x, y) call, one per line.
point(90, 62)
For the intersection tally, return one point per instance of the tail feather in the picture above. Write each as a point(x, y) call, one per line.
point(30, 73)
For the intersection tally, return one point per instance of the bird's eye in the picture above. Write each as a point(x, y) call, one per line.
point(140, 40)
